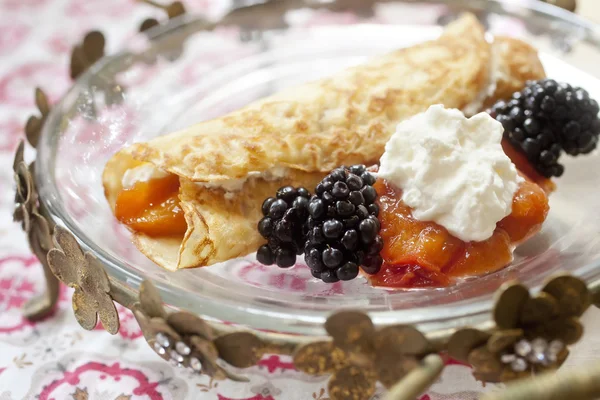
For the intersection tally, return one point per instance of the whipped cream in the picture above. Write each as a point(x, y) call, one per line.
point(143, 173)
point(235, 185)
point(452, 170)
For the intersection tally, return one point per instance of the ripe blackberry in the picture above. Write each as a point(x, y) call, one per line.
point(284, 226)
point(343, 229)
point(547, 118)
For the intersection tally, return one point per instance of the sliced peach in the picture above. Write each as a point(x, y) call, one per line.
point(152, 207)
point(525, 167)
point(480, 258)
point(529, 211)
point(418, 253)
point(409, 276)
point(409, 240)
point(145, 194)
point(165, 219)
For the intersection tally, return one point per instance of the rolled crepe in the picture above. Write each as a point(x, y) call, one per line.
point(297, 136)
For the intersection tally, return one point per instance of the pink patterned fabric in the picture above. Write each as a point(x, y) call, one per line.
point(55, 359)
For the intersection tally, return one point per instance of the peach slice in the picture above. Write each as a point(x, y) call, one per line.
point(152, 207)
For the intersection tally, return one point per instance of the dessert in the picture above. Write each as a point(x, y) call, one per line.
point(229, 165)
point(463, 206)
point(372, 170)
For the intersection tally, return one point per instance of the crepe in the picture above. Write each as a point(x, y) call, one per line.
point(299, 135)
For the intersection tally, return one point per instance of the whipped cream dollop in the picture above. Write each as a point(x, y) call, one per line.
point(452, 170)
point(142, 173)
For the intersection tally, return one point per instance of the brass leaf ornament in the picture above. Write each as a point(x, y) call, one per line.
point(150, 301)
point(512, 298)
point(24, 190)
point(90, 50)
point(532, 333)
point(463, 341)
point(352, 383)
point(82, 272)
point(538, 309)
point(148, 24)
point(173, 10)
point(34, 124)
point(571, 294)
point(185, 340)
point(503, 340)
point(240, 349)
point(87, 53)
point(320, 358)
point(175, 48)
point(188, 324)
point(351, 331)
point(359, 355)
point(36, 226)
point(570, 5)
point(596, 298)
point(26, 205)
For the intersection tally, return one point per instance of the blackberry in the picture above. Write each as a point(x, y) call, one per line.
point(284, 226)
point(344, 229)
point(548, 118)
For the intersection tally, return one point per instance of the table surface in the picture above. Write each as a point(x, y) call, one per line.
point(55, 358)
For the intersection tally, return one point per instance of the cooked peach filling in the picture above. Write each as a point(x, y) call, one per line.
point(525, 167)
point(152, 207)
point(420, 254)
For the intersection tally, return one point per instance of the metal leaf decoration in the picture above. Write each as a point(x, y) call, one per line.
point(26, 205)
point(175, 48)
point(570, 5)
point(189, 324)
point(240, 349)
point(532, 332)
point(38, 228)
point(185, 340)
point(320, 358)
point(359, 355)
point(83, 55)
point(150, 301)
point(173, 10)
point(34, 124)
point(87, 53)
point(83, 273)
point(596, 298)
point(24, 189)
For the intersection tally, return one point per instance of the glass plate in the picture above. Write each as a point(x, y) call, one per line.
point(180, 74)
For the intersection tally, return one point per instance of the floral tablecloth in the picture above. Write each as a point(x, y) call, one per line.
point(55, 358)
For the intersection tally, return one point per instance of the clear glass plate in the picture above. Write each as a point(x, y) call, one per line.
point(181, 74)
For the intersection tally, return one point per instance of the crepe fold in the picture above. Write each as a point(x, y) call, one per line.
point(297, 136)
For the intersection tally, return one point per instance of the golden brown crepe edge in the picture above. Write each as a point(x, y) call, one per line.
point(222, 227)
point(517, 63)
point(313, 145)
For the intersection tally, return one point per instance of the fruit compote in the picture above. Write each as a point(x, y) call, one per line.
point(423, 254)
point(525, 167)
point(152, 207)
